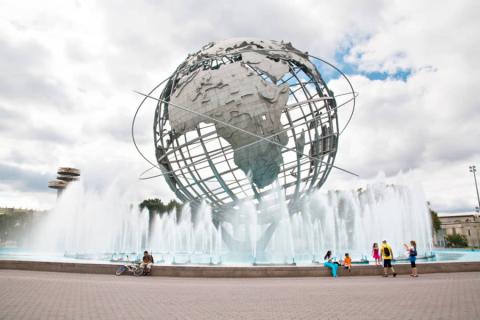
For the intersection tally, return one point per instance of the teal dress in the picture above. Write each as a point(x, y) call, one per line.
point(332, 266)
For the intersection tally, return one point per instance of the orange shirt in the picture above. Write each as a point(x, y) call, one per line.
point(348, 261)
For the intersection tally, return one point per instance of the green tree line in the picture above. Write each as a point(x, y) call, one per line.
point(16, 224)
point(157, 206)
point(436, 223)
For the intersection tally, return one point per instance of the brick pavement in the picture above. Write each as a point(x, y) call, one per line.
point(49, 295)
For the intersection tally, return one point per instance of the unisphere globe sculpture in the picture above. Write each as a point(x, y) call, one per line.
point(242, 117)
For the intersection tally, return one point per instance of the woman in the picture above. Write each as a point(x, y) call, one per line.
point(329, 263)
point(412, 257)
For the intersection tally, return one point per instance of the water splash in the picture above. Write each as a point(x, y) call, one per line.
point(93, 224)
point(109, 226)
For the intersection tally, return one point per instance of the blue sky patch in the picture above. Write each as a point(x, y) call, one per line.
point(351, 69)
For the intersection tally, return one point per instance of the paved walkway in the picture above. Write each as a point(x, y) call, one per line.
point(48, 295)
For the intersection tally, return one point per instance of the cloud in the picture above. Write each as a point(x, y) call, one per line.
point(426, 122)
point(25, 74)
point(22, 179)
point(17, 125)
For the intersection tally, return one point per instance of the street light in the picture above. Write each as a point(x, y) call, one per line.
point(473, 170)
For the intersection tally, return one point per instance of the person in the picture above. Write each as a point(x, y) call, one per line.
point(347, 262)
point(329, 263)
point(387, 256)
point(412, 257)
point(147, 263)
point(376, 254)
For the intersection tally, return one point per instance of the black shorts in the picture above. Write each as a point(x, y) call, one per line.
point(413, 264)
point(387, 263)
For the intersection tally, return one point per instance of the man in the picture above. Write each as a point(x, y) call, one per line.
point(147, 263)
point(387, 256)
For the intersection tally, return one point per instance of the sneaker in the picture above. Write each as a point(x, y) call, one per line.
point(412, 275)
point(394, 274)
point(385, 275)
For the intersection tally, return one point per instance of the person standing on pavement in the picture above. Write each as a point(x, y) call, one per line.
point(376, 254)
point(412, 257)
point(387, 256)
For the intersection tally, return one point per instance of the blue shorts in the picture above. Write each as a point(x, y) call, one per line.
point(413, 259)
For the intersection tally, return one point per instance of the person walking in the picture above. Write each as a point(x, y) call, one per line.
point(329, 263)
point(412, 257)
point(387, 256)
point(376, 254)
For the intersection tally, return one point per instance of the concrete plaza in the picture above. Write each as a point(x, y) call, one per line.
point(49, 295)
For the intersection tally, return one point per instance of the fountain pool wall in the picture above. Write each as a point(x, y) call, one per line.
point(106, 226)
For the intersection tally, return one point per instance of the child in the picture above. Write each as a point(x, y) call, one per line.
point(376, 254)
point(347, 263)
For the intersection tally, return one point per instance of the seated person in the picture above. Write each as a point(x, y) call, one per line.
point(147, 262)
point(347, 262)
point(330, 263)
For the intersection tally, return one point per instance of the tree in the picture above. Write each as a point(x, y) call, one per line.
point(157, 206)
point(436, 223)
point(15, 225)
point(456, 241)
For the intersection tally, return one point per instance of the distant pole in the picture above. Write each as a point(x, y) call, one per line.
point(473, 170)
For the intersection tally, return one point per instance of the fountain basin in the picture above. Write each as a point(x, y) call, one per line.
point(238, 271)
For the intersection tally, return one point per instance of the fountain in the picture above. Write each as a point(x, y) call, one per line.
point(93, 225)
point(106, 226)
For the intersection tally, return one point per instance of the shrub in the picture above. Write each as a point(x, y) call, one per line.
point(456, 241)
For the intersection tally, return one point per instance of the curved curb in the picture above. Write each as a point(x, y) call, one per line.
point(238, 272)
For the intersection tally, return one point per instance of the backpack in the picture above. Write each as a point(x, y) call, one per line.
point(386, 251)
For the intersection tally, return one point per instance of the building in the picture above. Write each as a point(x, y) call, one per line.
point(464, 223)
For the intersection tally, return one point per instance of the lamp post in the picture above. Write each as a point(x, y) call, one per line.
point(473, 170)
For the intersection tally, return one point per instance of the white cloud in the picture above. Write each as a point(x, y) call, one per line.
point(428, 123)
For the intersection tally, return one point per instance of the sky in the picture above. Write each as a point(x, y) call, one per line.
point(68, 70)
